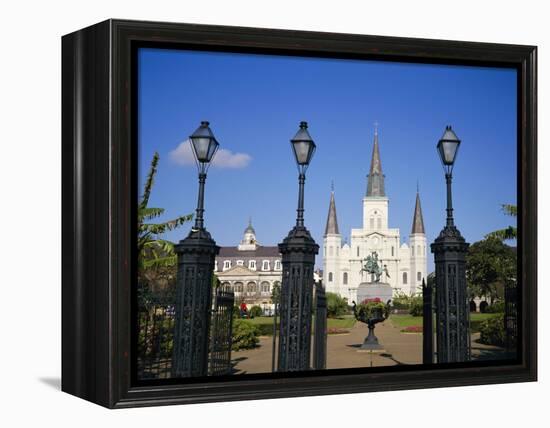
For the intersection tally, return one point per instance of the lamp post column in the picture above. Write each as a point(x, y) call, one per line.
point(298, 252)
point(449, 249)
point(195, 266)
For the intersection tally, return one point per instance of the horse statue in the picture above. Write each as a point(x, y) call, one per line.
point(374, 266)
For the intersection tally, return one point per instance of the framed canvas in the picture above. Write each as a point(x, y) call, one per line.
point(237, 207)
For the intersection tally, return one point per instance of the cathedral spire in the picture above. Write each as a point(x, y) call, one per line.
point(332, 222)
point(375, 184)
point(418, 220)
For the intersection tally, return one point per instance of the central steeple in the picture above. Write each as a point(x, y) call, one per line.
point(375, 184)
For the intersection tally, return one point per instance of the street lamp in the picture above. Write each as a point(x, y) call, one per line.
point(204, 146)
point(447, 147)
point(298, 252)
point(303, 148)
point(449, 249)
point(196, 256)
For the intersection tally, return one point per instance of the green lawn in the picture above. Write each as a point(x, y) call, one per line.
point(402, 321)
point(265, 324)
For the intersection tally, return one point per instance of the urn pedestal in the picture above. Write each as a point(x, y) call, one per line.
point(372, 290)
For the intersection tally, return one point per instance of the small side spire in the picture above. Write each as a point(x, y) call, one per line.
point(418, 220)
point(332, 221)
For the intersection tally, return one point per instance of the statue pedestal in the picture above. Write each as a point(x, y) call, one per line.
point(372, 290)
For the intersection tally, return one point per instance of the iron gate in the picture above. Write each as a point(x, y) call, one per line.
point(320, 328)
point(221, 332)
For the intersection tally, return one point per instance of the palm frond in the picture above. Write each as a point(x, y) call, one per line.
point(509, 233)
point(511, 210)
point(149, 181)
point(150, 213)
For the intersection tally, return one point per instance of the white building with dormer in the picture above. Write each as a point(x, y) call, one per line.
point(251, 270)
point(342, 262)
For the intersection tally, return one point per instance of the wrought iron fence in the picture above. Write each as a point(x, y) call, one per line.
point(156, 322)
point(155, 338)
point(511, 315)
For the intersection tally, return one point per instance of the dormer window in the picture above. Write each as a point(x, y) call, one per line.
point(226, 264)
point(252, 265)
point(265, 265)
point(277, 265)
point(240, 262)
point(216, 266)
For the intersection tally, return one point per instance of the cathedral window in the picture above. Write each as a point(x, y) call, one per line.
point(226, 264)
point(337, 252)
point(252, 265)
point(379, 223)
point(372, 222)
point(357, 251)
point(404, 277)
point(265, 265)
point(419, 276)
point(418, 253)
point(412, 250)
point(345, 278)
point(330, 251)
point(392, 251)
point(330, 277)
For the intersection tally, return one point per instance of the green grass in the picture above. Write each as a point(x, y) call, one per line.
point(401, 321)
point(347, 321)
point(265, 324)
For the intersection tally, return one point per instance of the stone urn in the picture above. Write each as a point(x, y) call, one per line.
point(371, 318)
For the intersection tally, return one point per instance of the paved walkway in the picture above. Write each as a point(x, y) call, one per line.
point(342, 350)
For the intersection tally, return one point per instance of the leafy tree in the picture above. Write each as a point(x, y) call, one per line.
point(509, 233)
point(489, 264)
point(336, 305)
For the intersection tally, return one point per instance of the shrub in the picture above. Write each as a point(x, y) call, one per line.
point(255, 311)
point(245, 335)
point(492, 331)
point(336, 305)
point(495, 308)
point(416, 308)
point(401, 300)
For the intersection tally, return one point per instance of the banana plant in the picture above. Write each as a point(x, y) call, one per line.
point(155, 252)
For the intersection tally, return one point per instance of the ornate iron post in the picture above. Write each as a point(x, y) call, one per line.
point(449, 249)
point(427, 323)
point(196, 256)
point(298, 251)
point(320, 332)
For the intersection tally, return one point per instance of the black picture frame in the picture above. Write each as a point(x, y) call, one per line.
point(99, 193)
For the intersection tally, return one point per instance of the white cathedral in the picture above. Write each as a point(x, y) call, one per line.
point(342, 262)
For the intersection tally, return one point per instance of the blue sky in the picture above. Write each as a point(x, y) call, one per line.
point(255, 103)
